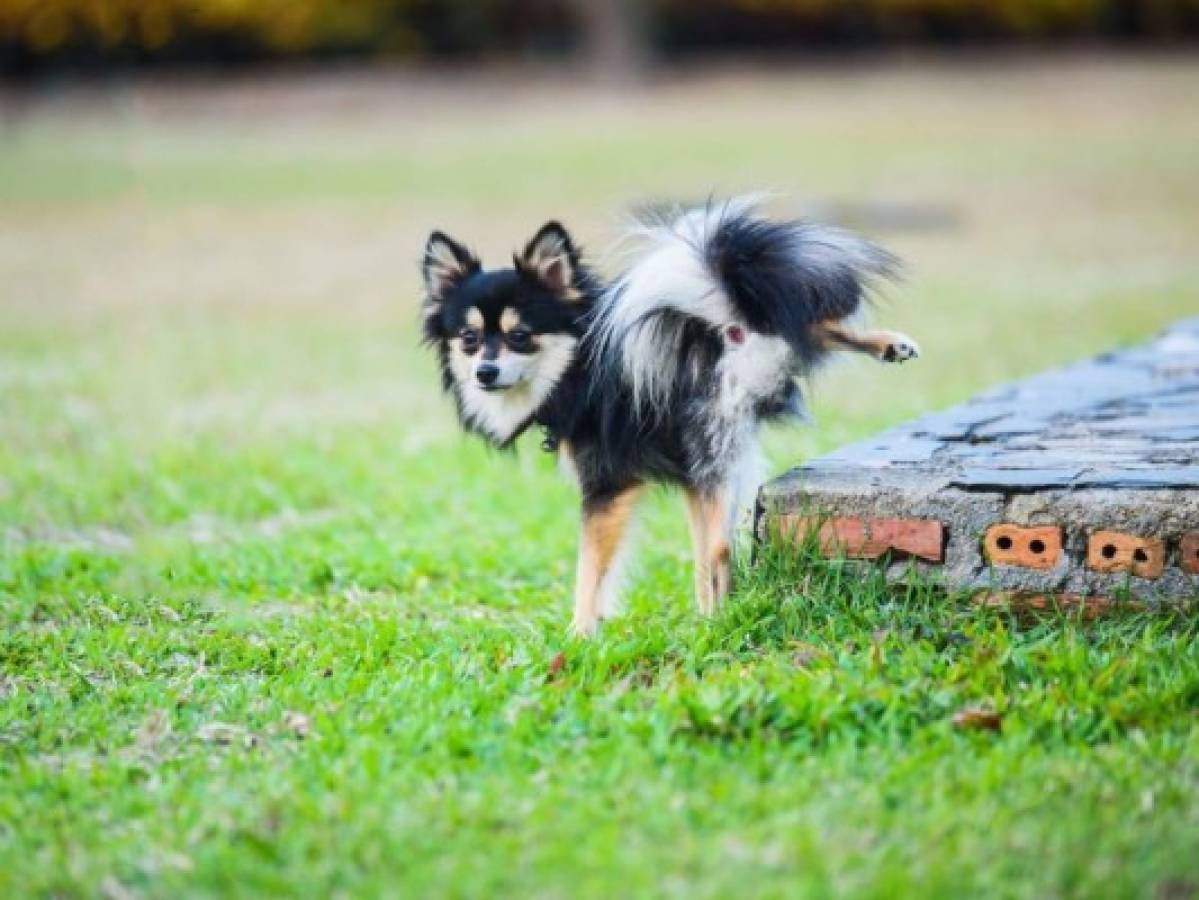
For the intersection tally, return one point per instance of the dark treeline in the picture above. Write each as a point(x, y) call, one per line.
point(44, 35)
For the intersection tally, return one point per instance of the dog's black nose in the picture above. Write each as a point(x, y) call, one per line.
point(487, 373)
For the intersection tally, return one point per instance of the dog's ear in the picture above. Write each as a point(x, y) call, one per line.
point(445, 264)
point(551, 258)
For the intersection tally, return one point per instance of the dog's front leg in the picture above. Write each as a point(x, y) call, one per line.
point(697, 520)
point(605, 522)
point(708, 516)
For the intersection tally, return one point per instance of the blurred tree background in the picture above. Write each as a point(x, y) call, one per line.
point(40, 35)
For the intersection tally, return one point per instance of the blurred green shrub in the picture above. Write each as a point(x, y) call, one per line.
point(272, 27)
point(135, 30)
point(40, 31)
point(720, 22)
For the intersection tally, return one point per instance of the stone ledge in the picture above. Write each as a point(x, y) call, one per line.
point(1106, 445)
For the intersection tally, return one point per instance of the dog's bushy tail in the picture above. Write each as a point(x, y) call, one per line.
point(723, 265)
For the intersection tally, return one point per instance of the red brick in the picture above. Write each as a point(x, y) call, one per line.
point(1030, 547)
point(1032, 602)
point(870, 538)
point(1115, 551)
point(1188, 552)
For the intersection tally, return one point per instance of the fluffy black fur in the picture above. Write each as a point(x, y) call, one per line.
point(760, 264)
point(760, 269)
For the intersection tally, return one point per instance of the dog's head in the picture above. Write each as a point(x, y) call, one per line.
point(505, 336)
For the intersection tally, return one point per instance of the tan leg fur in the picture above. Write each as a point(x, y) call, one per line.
point(604, 526)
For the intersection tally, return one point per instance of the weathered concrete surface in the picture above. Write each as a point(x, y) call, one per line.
point(1111, 444)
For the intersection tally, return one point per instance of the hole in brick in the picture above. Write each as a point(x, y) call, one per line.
point(1003, 542)
point(1109, 551)
point(1036, 545)
point(1140, 555)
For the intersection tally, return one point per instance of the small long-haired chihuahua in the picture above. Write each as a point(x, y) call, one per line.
point(664, 375)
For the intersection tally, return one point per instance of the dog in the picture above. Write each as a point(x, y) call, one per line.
point(664, 375)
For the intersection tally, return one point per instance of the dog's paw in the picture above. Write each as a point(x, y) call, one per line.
point(583, 629)
point(900, 349)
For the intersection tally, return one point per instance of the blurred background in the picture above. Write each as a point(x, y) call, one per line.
point(613, 36)
point(233, 497)
point(211, 210)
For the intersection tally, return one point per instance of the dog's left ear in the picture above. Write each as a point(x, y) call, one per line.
point(551, 258)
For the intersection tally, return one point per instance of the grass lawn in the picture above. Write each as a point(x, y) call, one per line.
point(269, 625)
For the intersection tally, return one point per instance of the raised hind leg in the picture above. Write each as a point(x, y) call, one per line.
point(885, 346)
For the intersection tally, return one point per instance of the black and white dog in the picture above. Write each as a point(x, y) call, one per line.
point(664, 375)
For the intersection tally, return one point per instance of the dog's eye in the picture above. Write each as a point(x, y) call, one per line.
point(519, 338)
point(469, 338)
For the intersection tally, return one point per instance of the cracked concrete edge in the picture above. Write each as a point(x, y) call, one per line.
point(1106, 444)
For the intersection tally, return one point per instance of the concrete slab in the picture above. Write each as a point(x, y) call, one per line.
point(1109, 446)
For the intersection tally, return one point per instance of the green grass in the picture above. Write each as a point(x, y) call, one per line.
point(269, 625)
